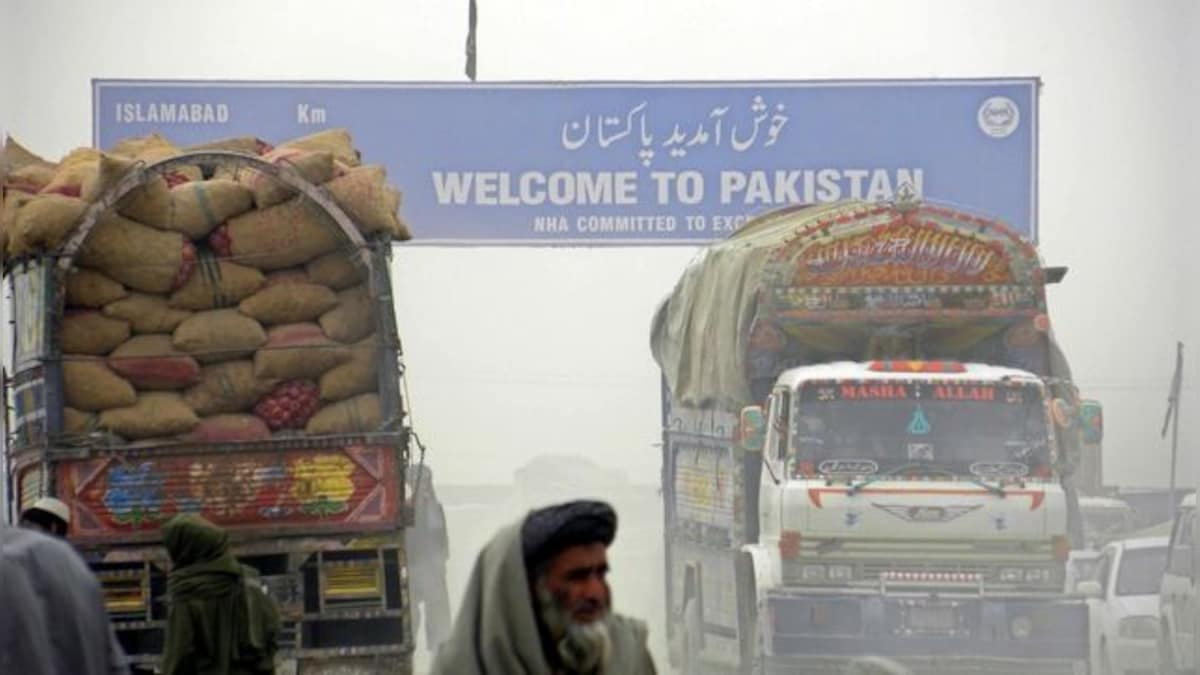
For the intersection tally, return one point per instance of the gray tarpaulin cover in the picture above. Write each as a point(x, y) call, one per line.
point(836, 282)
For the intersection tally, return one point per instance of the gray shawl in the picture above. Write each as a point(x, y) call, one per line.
point(496, 632)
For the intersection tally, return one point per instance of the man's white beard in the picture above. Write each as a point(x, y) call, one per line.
point(584, 648)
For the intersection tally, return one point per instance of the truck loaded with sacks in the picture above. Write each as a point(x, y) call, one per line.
point(868, 435)
point(210, 330)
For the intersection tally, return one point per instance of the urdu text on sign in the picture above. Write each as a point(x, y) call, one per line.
point(627, 163)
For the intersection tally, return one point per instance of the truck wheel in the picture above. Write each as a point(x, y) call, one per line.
point(690, 651)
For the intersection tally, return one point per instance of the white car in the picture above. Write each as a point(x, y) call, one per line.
point(1124, 606)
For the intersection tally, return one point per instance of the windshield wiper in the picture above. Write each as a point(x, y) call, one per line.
point(997, 489)
point(856, 487)
point(928, 468)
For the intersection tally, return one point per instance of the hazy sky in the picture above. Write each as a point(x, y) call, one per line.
point(518, 352)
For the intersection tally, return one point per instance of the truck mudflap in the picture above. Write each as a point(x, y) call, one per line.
point(928, 633)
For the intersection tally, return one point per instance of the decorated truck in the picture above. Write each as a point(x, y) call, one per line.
point(211, 331)
point(866, 429)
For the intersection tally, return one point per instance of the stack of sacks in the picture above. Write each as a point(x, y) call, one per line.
point(211, 304)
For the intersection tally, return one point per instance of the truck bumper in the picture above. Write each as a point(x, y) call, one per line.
point(944, 665)
point(930, 634)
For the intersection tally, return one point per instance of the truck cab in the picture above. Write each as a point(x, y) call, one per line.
point(909, 502)
point(869, 440)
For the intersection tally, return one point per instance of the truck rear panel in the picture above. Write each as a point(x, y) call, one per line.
point(320, 517)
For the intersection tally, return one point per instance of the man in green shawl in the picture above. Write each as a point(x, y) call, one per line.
point(538, 602)
point(220, 621)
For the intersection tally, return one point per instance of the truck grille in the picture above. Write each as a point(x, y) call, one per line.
point(873, 574)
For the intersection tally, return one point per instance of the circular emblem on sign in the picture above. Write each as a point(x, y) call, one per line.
point(999, 117)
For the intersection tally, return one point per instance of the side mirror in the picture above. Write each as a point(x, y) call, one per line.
point(752, 429)
point(1090, 588)
point(1091, 418)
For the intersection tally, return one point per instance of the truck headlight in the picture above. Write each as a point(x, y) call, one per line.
point(1011, 575)
point(840, 573)
point(1138, 627)
point(812, 573)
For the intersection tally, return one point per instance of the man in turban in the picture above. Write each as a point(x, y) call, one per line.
point(538, 602)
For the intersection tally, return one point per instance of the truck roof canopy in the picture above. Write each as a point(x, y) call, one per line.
point(851, 281)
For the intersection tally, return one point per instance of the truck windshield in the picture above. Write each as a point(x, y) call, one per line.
point(889, 423)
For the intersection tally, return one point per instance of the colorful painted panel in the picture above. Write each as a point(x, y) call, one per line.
point(353, 487)
point(904, 254)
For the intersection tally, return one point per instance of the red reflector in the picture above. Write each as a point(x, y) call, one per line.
point(1040, 471)
point(916, 367)
point(789, 545)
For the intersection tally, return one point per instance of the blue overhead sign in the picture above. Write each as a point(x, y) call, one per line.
point(627, 163)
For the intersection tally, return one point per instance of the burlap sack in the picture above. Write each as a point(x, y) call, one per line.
point(336, 271)
point(90, 332)
point(155, 413)
point(298, 351)
point(228, 387)
point(229, 429)
point(91, 289)
point(354, 415)
point(40, 223)
point(359, 375)
point(133, 146)
point(364, 195)
point(141, 257)
point(21, 170)
point(334, 141)
point(291, 275)
point(193, 208)
point(285, 235)
point(400, 230)
point(30, 179)
point(217, 283)
point(219, 335)
point(147, 202)
point(154, 148)
point(314, 167)
point(78, 421)
point(77, 175)
point(147, 313)
point(287, 302)
point(247, 145)
point(152, 362)
point(16, 156)
point(353, 318)
point(90, 385)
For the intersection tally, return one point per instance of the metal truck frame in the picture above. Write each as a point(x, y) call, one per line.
point(337, 568)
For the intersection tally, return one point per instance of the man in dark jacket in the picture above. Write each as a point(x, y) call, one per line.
point(219, 620)
point(52, 617)
point(538, 602)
